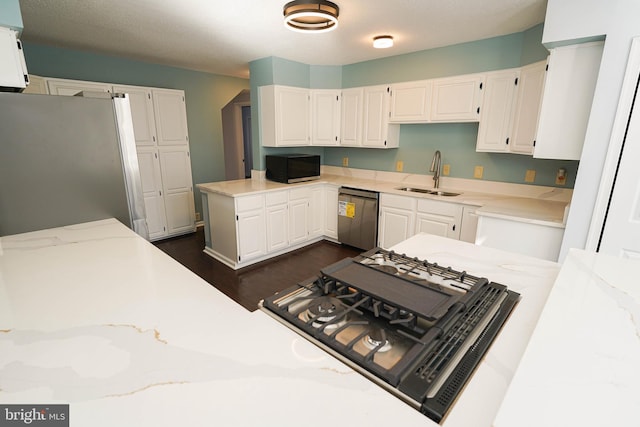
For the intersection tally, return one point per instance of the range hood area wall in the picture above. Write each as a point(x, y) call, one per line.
point(418, 142)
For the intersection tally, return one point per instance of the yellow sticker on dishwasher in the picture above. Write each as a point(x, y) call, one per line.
point(347, 209)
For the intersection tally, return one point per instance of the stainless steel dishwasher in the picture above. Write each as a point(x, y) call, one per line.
point(358, 217)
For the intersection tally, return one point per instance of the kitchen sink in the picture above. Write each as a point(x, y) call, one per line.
point(427, 191)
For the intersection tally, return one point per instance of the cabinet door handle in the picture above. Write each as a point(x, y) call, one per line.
point(454, 227)
point(507, 141)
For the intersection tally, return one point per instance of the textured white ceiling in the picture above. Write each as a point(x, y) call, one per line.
point(222, 37)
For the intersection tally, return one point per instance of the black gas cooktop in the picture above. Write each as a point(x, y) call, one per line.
point(416, 328)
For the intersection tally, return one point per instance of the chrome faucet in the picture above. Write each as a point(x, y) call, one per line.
point(435, 168)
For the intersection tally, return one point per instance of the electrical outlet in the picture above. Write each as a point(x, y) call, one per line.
point(197, 216)
point(345, 161)
point(399, 166)
point(478, 171)
point(446, 169)
point(530, 175)
point(561, 176)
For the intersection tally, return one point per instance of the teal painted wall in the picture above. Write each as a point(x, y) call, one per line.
point(418, 142)
point(205, 95)
point(483, 55)
point(10, 15)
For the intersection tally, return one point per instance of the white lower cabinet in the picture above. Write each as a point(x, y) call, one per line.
point(316, 211)
point(397, 219)
point(331, 211)
point(542, 241)
point(277, 217)
point(401, 217)
point(440, 218)
point(246, 229)
point(298, 215)
point(250, 218)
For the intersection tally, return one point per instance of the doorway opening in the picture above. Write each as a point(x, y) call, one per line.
point(236, 136)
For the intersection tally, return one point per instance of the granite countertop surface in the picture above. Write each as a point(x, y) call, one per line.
point(582, 365)
point(541, 207)
point(93, 316)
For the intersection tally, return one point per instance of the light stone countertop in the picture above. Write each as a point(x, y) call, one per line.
point(525, 203)
point(94, 316)
point(582, 365)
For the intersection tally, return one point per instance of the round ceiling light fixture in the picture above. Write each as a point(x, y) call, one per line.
point(382, 42)
point(308, 16)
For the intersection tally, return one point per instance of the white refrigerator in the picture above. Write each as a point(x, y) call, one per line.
point(66, 160)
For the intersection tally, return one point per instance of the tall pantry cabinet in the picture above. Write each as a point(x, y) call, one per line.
point(160, 128)
point(162, 140)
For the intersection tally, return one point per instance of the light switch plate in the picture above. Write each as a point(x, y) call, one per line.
point(530, 175)
point(478, 171)
point(399, 166)
point(446, 169)
point(345, 161)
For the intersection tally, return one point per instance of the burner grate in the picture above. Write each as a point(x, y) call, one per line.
point(454, 338)
point(414, 268)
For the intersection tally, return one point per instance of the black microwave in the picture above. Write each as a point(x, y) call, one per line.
point(290, 168)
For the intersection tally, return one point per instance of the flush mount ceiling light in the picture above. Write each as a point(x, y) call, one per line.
point(382, 42)
point(311, 16)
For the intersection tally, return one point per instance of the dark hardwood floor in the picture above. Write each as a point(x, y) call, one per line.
point(249, 285)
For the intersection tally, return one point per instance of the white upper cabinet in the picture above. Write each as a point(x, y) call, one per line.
point(566, 103)
point(410, 102)
point(351, 117)
point(510, 107)
point(73, 87)
point(527, 109)
point(325, 117)
point(376, 130)
point(170, 117)
point(284, 116)
point(13, 69)
point(144, 124)
point(457, 99)
point(496, 116)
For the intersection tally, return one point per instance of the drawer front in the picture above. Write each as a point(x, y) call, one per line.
point(276, 198)
point(299, 193)
point(442, 208)
point(399, 202)
point(248, 203)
